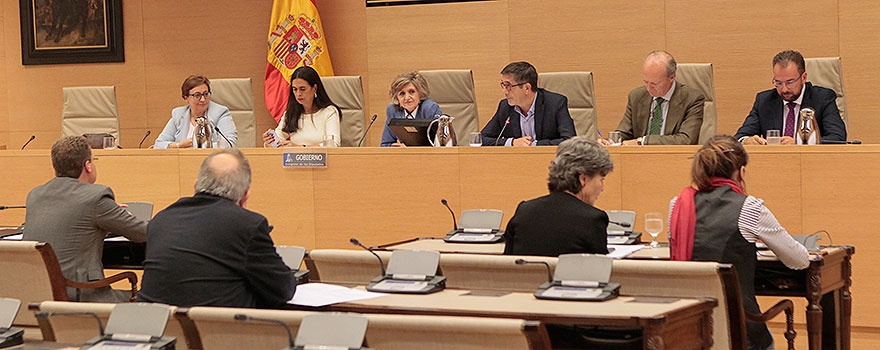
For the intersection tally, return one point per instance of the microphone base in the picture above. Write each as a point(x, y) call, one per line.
point(459, 236)
point(387, 284)
point(556, 291)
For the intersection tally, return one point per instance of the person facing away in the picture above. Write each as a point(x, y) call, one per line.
point(565, 221)
point(715, 220)
point(208, 250)
point(74, 215)
point(409, 99)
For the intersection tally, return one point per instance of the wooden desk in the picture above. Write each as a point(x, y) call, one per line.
point(44, 345)
point(679, 324)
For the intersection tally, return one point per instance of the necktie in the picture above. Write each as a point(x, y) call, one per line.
point(789, 120)
point(656, 118)
point(409, 115)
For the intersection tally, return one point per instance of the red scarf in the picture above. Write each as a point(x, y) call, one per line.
point(684, 219)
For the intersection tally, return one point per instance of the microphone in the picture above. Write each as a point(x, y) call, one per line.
point(549, 274)
point(3, 207)
point(373, 119)
point(621, 224)
point(83, 313)
point(454, 222)
point(357, 243)
point(28, 141)
point(246, 318)
point(217, 129)
point(837, 142)
point(502, 131)
point(144, 139)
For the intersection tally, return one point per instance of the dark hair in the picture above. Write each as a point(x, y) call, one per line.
point(191, 82)
point(788, 56)
point(721, 156)
point(294, 108)
point(522, 72)
point(69, 155)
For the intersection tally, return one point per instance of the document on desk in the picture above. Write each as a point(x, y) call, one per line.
point(619, 251)
point(120, 346)
point(322, 294)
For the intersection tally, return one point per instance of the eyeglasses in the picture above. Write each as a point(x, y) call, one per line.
point(789, 84)
point(199, 95)
point(507, 86)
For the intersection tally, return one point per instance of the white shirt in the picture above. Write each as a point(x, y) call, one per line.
point(407, 114)
point(313, 127)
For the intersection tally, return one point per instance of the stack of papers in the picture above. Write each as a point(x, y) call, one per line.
point(622, 251)
point(322, 294)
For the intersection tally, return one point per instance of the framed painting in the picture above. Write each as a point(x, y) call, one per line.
point(71, 31)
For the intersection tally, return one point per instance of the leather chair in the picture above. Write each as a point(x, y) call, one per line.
point(29, 271)
point(89, 110)
point(827, 72)
point(453, 90)
point(578, 87)
point(347, 92)
point(237, 94)
point(77, 329)
point(700, 76)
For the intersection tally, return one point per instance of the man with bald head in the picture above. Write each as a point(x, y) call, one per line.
point(664, 111)
point(208, 250)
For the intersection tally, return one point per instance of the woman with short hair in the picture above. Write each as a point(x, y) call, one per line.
point(409, 99)
point(178, 133)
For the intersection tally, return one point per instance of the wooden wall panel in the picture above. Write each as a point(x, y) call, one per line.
point(774, 175)
point(4, 113)
point(740, 38)
point(609, 38)
point(651, 179)
point(859, 49)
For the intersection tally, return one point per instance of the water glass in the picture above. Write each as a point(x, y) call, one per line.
point(109, 142)
point(475, 139)
point(773, 137)
point(329, 141)
point(654, 225)
point(616, 138)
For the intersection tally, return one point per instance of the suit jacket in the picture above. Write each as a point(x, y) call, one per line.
point(177, 129)
point(205, 250)
point(553, 124)
point(555, 224)
point(427, 109)
point(74, 217)
point(766, 113)
point(684, 117)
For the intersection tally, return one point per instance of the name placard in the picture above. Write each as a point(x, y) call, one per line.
point(305, 160)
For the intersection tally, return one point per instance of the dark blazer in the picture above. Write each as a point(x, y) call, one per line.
point(555, 224)
point(427, 109)
point(766, 113)
point(684, 117)
point(553, 124)
point(207, 251)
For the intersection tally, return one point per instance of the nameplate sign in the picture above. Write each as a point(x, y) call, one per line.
point(305, 160)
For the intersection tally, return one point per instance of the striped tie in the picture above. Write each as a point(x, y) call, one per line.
point(656, 118)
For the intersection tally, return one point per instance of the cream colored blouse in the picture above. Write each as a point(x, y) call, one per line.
point(313, 127)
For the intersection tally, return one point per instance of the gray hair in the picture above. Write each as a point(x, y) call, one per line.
point(575, 156)
point(231, 183)
point(671, 66)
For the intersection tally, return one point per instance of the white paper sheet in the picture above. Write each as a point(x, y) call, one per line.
point(14, 237)
point(322, 294)
point(622, 251)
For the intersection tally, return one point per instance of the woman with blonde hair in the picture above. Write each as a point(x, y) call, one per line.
point(409, 99)
point(715, 220)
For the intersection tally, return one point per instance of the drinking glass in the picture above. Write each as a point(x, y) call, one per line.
point(616, 138)
point(109, 142)
point(329, 141)
point(653, 225)
point(475, 139)
point(773, 137)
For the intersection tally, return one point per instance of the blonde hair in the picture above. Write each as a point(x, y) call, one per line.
point(409, 77)
point(721, 156)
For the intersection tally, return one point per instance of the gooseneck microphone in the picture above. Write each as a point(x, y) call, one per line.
point(454, 222)
point(524, 262)
point(246, 318)
point(502, 131)
point(83, 313)
point(144, 139)
point(621, 224)
point(373, 119)
point(3, 207)
point(217, 129)
point(28, 141)
point(357, 243)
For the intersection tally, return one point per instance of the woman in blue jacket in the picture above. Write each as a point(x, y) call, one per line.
point(409, 99)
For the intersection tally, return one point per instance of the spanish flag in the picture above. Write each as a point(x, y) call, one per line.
point(296, 37)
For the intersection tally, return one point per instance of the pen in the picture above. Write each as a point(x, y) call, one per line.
point(599, 132)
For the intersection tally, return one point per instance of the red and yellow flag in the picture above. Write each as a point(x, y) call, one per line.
point(296, 38)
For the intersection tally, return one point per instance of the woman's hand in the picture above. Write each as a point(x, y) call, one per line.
point(398, 144)
point(268, 138)
point(188, 143)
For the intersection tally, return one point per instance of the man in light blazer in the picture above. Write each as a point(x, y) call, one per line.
point(74, 215)
point(664, 111)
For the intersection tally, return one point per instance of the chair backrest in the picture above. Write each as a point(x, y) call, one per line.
point(89, 110)
point(578, 87)
point(29, 272)
point(237, 94)
point(827, 72)
point(344, 266)
point(217, 329)
point(347, 92)
point(453, 90)
point(291, 255)
point(700, 76)
point(77, 329)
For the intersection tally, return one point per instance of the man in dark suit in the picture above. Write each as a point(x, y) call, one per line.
point(664, 111)
point(779, 109)
point(565, 221)
point(208, 250)
point(533, 116)
point(74, 215)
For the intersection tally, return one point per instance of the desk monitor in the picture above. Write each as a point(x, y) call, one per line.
point(413, 132)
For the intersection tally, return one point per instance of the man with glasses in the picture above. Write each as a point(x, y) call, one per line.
point(528, 116)
point(664, 111)
point(74, 215)
point(779, 108)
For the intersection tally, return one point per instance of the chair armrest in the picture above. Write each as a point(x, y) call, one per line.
point(784, 305)
point(106, 282)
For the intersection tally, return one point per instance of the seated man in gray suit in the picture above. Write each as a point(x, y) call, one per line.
point(664, 111)
point(73, 215)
